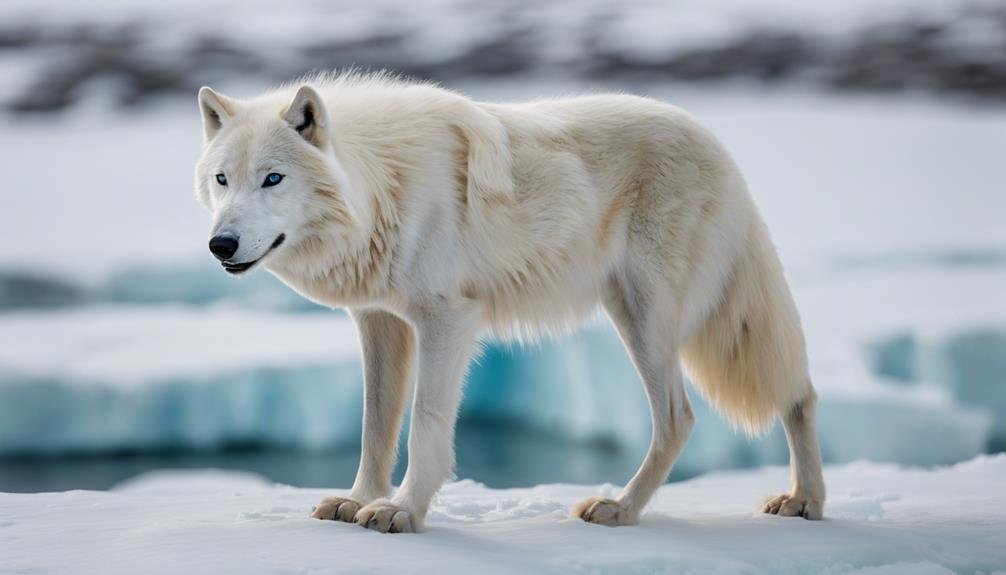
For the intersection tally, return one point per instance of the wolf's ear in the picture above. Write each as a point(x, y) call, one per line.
point(308, 116)
point(216, 109)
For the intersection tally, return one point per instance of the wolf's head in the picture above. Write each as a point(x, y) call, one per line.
point(269, 175)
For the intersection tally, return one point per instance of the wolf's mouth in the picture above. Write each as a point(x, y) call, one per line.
point(235, 268)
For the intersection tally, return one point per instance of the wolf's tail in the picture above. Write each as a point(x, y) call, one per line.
point(748, 357)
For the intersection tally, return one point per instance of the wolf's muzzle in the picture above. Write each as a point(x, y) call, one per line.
point(236, 268)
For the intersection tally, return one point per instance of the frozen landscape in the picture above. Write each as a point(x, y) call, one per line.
point(880, 179)
point(881, 520)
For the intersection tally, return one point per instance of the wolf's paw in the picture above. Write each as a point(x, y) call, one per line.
point(386, 517)
point(336, 509)
point(794, 505)
point(602, 511)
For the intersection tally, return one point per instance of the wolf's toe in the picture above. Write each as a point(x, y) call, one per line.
point(789, 505)
point(336, 509)
point(385, 517)
point(772, 504)
point(602, 511)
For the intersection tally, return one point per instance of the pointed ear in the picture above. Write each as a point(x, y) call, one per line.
point(216, 109)
point(308, 116)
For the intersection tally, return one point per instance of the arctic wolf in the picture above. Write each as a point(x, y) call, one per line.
point(433, 218)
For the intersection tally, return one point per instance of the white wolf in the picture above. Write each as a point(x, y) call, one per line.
point(432, 217)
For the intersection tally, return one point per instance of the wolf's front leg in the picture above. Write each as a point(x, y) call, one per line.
point(446, 340)
point(389, 352)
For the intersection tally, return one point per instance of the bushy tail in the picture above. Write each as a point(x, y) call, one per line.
point(749, 357)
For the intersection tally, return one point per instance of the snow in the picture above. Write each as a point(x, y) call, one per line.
point(126, 346)
point(166, 223)
point(880, 519)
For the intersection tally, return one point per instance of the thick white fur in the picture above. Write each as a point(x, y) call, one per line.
point(433, 217)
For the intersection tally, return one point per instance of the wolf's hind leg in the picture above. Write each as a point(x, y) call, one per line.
point(807, 496)
point(643, 321)
point(389, 351)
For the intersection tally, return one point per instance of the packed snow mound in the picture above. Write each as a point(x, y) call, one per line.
point(879, 519)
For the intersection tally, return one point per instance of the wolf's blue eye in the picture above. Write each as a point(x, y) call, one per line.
point(222, 179)
point(272, 179)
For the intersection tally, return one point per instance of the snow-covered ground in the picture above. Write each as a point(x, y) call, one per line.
point(880, 520)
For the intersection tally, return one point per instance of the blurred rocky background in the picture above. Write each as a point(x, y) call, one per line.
point(145, 52)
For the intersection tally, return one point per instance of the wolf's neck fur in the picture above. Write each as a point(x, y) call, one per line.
point(340, 262)
point(386, 134)
point(337, 270)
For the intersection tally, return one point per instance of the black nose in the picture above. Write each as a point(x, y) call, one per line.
point(223, 246)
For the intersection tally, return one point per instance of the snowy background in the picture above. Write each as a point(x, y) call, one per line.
point(872, 134)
